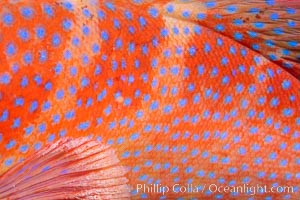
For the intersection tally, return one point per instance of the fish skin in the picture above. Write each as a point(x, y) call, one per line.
point(188, 105)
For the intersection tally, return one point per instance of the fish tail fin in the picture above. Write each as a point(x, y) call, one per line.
point(67, 169)
point(269, 27)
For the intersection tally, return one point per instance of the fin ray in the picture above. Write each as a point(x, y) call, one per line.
point(68, 168)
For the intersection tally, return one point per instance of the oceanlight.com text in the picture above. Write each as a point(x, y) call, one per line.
point(213, 188)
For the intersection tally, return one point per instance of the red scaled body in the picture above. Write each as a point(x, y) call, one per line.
point(177, 89)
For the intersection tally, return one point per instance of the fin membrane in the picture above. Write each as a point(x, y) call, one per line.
point(269, 27)
point(67, 169)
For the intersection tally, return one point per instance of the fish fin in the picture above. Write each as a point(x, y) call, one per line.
point(269, 27)
point(67, 169)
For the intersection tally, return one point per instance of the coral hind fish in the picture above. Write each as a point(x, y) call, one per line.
point(103, 99)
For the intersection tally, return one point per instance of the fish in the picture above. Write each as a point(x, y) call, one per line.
point(150, 99)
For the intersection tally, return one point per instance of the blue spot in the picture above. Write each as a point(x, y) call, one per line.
point(46, 106)
point(274, 16)
point(153, 12)
point(134, 136)
point(214, 159)
point(56, 118)
point(238, 22)
point(107, 110)
point(261, 100)
point(43, 55)
point(170, 8)
point(225, 80)
point(188, 170)
point(8, 162)
point(15, 67)
point(154, 105)
point(278, 31)
point(197, 30)
point(175, 30)
point(51, 138)
point(5, 79)
point(27, 12)
point(283, 163)
point(186, 14)
point(201, 16)
point(48, 86)
point(56, 40)
point(84, 82)
point(297, 147)
point(118, 43)
point(23, 34)
point(128, 15)
point(164, 32)
point(48, 10)
point(259, 25)
point(16, 123)
point(204, 154)
point(252, 89)
point(207, 48)
point(291, 23)
point(220, 27)
point(83, 125)
point(24, 81)
point(287, 112)
point(62, 133)
point(174, 170)
point(67, 24)
point(210, 4)
point(258, 161)
point(24, 148)
point(29, 130)
point(291, 11)
point(228, 99)
point(85, 30)
point(85, 59)
point(10, 49)
point(231, 8)
point(34, 106)
point(42, 127)
point(232, 170)
point(110, 6)
point(242, 150)
point(7, 19)
point(70, 114)
point(86, 12)
point(201, 173)
point(274, 102)
point(142, 21)
point(270, 2)
point(40, 32)
point(254, 10)
point(75, 41)
point(268, 139)
point(60, 94)
point(11, 144)
point(286, 84)
point(104, 35)
point(293, 44)
point(27, 58)
point(101, 14)
point(127, 102)
point(192, 51)
point(253, 130)
point(238, 36)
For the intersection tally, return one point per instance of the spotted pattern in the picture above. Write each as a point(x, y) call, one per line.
point(172, 95)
